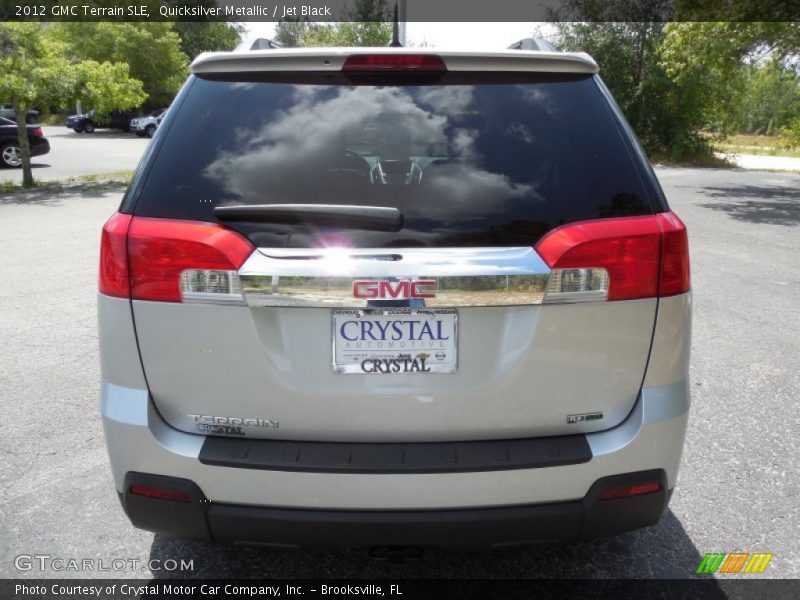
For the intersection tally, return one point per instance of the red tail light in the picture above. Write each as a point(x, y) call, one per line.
point(631, 490)
point(160, 494)
point(675, 276)
point(159, 250)
point(644, 256)
point(143, 258)
point(381, 62)
point(113, 279)
point(37, 132)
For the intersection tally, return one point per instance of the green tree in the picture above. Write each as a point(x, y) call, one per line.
point(290, 34)
point(368, 24)
point(152, 50)
point(676, 79)
point(293, 34)
point(717, 56)
point(666, 116)
point(207, 36)
point(37, 71)
point(625, 38)
point(791, 134)
point(769, 100)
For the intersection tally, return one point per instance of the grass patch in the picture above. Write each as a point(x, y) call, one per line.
point(94, 181)
point(122, 177)
point(761, 145)
point(9, 187)
point(703, 161)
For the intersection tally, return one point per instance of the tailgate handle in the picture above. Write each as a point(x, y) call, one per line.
point(344, 216)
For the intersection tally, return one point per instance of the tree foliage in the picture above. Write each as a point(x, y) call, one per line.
point(38, 71)
point(207, 36)
point(768, 101)
point(791, 134)
point(297, 34)
point(675, 80)
point(106, 86)
point(666, 115)
point(369, 24)
point(152, 50)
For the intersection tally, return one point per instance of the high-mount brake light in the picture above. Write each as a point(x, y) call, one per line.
point(622, 258)
point(394, 62)
point(175, 260)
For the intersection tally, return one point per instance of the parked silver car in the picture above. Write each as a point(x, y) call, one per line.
point(7, 112)
point(146, 126)
point(396, 297)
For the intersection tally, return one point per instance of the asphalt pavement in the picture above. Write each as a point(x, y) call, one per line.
point(72, 154)
point(737, 490)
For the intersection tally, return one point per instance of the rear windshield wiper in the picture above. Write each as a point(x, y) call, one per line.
point(375, 218)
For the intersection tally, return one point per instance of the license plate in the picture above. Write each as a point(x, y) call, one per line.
point(395, 341)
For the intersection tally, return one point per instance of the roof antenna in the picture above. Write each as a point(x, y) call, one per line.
point(396, 29)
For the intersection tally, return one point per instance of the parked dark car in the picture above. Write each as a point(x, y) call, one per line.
point(88, 122)
point(10, 154)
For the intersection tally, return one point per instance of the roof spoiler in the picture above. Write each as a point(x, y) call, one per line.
point(333, 60)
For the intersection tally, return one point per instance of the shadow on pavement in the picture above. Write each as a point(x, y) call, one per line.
point(54, 194)
point(757, 204)
point(105, 134)
point(664, 551)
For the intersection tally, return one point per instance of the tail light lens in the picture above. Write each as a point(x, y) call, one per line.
point(675, 276)
point(113, 280)
point(161, 250)
point(170, 260)
point(388, 62)
point(37, 132)
point(616, 259)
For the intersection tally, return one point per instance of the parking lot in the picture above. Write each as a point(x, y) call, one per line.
point(737, 490)
point(73, 154)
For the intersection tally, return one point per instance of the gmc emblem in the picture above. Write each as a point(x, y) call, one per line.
point(404, 289)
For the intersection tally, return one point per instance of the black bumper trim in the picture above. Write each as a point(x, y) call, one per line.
point(573, 520)
point(433, 457)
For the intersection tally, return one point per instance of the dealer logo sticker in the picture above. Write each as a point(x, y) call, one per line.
point(595, 416)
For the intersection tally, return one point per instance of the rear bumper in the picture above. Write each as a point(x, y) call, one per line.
point(252, 499)
point(139, 440)
point(42, 147)
point(587, 518)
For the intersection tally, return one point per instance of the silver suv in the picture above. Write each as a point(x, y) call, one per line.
point(396, 297)
point(147, 125)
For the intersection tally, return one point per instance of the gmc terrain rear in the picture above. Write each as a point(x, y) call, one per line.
point(395, 297)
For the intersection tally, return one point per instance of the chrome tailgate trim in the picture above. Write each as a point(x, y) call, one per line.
point(326, 277)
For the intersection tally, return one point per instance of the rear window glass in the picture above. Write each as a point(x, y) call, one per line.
point(469, 160)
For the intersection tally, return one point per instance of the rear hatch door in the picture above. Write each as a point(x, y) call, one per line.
point(438, 188)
